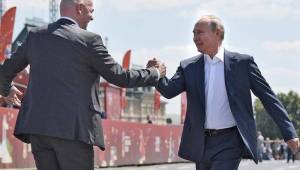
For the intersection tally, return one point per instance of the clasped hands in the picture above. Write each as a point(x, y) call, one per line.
point(159, 65)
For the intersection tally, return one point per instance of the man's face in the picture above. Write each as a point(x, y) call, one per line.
point(86, 13)
point(205, 39)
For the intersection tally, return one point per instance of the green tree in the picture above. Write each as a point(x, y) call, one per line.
point(266, 125)
point(264, 122)
point(291, 102)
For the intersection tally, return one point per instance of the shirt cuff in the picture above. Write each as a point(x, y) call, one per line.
point(158, 73)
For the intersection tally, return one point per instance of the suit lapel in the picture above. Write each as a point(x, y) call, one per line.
point(229, 62)
point(200, 85)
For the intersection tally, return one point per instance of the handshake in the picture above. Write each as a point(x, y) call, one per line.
point(158, 65)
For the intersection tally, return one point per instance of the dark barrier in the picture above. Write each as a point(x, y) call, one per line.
point(126, 144)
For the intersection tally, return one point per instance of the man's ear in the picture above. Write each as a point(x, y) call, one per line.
point(79, 8)
point(218, 32)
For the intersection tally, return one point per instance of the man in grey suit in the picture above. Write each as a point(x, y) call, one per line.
point(59, 115)
point(219, 127)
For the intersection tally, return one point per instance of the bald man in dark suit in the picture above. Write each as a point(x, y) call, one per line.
point(59, 113)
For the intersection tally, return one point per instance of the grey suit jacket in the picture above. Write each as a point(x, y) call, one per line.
point(241, 76)
point(65, 62)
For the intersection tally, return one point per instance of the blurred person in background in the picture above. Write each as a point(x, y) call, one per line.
point(260, 146)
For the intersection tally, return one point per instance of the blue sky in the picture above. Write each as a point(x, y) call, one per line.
point(267, 29)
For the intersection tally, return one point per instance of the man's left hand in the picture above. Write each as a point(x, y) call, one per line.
point(294, 145)
point(159, 65)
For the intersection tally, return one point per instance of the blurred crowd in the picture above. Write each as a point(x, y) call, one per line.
point(273, 149)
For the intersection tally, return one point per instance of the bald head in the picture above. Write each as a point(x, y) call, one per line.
point(215, 24)
point(67, 7)
point(71, 1)
point(79, 10)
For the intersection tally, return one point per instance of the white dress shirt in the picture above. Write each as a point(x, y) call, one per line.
point(218, 113)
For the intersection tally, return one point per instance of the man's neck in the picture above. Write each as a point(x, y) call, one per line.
point(70, 18)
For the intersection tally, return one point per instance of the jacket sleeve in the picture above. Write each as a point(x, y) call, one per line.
point(110, 70)
point(170, 88)
point(11, 67)
point(271, 103)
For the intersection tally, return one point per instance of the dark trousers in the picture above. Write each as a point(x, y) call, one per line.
point(222, 152)
point(52, 153)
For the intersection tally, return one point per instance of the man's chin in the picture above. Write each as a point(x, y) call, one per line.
point(199, 50)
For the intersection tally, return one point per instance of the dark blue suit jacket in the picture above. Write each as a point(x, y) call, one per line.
point(241, 76)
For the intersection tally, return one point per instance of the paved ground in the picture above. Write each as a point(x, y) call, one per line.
point(270, 165)
point(245, 165)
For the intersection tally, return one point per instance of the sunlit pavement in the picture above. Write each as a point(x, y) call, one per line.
point(245, 165)
point(270, 165)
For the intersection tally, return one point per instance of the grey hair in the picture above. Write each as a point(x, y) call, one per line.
point(215, 23)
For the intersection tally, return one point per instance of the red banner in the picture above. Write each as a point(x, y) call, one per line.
point(6, 32)
point(126, 60)
point(13, 153)
point(156, 101)
point(126, 144)
point(136, 143)
point(183, 107)
point(112, 101)
point(125, 65)
point(123, 101)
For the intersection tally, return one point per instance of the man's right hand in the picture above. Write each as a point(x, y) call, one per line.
point(159, 65)
point(12, 98)
point(294, 145)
